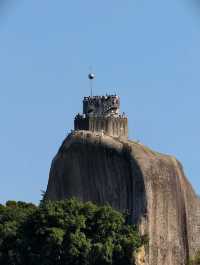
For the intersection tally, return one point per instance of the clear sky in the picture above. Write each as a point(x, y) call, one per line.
point(148, 52)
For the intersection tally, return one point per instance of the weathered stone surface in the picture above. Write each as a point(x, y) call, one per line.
point(130, 176)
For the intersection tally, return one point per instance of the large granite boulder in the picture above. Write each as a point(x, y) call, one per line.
point(131, 177)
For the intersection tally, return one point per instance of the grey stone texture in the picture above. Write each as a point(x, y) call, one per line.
point(101, 105)
point(113, 126)
point(151, 186)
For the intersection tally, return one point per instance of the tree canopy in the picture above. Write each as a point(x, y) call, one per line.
point(65, 233)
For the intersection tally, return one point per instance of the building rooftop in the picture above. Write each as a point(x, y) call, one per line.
point(102, 114)
point(108, 105)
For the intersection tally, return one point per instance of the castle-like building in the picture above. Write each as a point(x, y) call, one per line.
point(102, 114)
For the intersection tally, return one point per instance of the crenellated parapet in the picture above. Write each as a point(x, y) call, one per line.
point(102, 106)
point(102, 114)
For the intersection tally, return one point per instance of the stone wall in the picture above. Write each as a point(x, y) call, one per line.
point(101, 105)
point(112, 126)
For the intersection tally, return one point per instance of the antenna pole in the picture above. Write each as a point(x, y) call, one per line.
point(91, 86)
point(91, 77)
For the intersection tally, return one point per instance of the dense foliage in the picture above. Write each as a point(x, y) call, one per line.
point(65, 233)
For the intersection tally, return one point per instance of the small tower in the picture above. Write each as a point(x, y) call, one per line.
point(102, 114)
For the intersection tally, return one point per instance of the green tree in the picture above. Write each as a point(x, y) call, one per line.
point(11, 217)
point(65, 233)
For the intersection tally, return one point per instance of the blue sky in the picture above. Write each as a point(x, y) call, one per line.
point(145, 51)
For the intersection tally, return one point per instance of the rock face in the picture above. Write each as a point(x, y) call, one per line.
point(130, 176)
